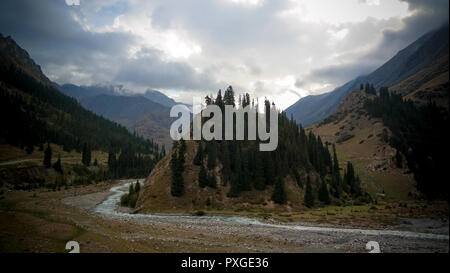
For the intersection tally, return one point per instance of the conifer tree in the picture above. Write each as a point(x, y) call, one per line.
point(198, 159)
point(202, 177)
point(324, 195)
point(309, 197)
point(57, 166)
point(48, 156)
point(212, 155)
point(260, 183)
point(278, 194)
point(86, 155)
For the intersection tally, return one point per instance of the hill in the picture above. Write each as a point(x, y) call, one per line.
point(361, 139)
point(138, 114)
point(302, 172)
point(421, 53)
point(34, 112)
point(146, 114)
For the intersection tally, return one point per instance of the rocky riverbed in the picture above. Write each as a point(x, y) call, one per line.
point(242, 234)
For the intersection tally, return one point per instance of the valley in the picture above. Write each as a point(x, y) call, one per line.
point(43, 221)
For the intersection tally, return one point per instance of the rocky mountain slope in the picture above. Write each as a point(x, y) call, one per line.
point(423, 52)
point(362, 140)
point(146, 114)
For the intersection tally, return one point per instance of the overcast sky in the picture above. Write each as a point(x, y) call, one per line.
point(279, 49)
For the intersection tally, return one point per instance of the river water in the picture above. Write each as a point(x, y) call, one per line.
point(109, 208)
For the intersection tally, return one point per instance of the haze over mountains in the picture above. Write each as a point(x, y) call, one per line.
point(423, 52)
point(146, 114)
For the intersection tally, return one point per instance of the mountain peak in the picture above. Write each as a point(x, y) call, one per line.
point(12, 55)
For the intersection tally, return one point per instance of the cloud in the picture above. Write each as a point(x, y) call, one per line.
point(267, 48)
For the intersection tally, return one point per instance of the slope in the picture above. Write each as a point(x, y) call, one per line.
point(424, 51)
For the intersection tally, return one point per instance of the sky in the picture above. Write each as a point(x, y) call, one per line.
point(282, 50)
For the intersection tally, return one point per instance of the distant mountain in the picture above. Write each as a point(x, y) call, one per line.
point(123, 107)
point(424, 51)
point(159, 97)
point(137, 113)
point(80, 92)
point(33, 111)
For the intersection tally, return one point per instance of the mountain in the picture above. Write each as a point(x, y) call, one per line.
point(159, 97)
point(430, 83)
point(361, 138)
point(421, 53)
point(34, 111)
point(237, 175)
point(137, 113)
point(80, 92)
point(146, 114)
point(11, 55)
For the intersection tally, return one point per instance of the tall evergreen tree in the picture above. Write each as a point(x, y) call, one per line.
point(278, 194)
point(202, 177)
point(48, 156)
point(57, 166)
point(260, 182)
point(86, 155)
point(324, 195)
point(198, 159)
point(212, 155)
point(309, 197)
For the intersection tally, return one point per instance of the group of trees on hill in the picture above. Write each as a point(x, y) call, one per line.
point(130, 199)
point(421, 135)
point(299, 154)
point(34, 113)
point(39, 113)
point(368, 88)
point(129, 163)
point(177, 167)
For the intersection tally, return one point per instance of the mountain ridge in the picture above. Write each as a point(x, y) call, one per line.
point(405, 63)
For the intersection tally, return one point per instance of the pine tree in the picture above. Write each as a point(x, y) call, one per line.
point(48, 157)
point(324, 195)
point(137, 187)
point(212, 182)
point(57, 166)
point(177, 166)
point(212, 155)
point(260, 183)
point(202, 177)
point(86, 155)
point(398, 160)
point(309, 197)
point(278, 194)
point(198, 159)
point(298, 179)
point(225, 158)
point(29, 149)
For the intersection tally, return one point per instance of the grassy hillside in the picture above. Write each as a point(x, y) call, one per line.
point(359, 139)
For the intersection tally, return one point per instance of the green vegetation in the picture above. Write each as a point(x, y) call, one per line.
point(48, 157)
point(244, 168)
point(421, 134)
point(177, 167)
point(129, 199)
point(43, 114)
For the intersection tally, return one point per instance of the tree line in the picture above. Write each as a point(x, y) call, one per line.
point(300, 155)
point(421, 136)
point(40, 113)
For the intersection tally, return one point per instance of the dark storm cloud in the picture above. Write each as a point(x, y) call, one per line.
point(148, 69)
point(56, 38)
point(426, 16)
